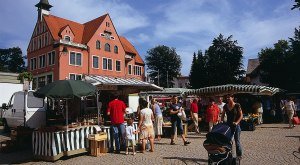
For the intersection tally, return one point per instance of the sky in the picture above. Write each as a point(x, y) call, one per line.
point(186, 25)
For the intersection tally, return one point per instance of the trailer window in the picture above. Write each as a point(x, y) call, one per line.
point(34, 102)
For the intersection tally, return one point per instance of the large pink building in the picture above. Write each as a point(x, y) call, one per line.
point(64, 49)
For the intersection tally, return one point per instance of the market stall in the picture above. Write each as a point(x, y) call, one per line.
point(250, 118)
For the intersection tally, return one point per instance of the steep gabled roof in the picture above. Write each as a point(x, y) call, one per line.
point(91, 27)
point(129, 48)
point(55, 24)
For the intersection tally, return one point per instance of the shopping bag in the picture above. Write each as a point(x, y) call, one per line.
point(296, 120)
point(181, 115)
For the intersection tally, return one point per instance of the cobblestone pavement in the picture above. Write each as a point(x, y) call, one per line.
point(268, 144)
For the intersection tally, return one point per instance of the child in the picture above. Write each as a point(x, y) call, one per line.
point(130, 140)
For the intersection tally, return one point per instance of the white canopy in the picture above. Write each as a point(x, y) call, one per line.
point(233, 89)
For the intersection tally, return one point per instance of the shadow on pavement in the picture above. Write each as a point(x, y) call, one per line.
point(188, 160)
point(16, 157)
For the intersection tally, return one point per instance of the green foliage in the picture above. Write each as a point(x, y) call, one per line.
point(297, 5)
point(221, 64)
point(164, 62)
point(11, 60)
point(279, 65)
point(25, 76)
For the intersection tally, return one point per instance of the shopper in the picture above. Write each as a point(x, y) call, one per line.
point(194, 115)
point(290, 110)
point(158, 119)
point(234, 114)
point(212, 114)
point(221, 104)
point(130, 139)
point(116, 110)
point(146, 126)
point(176, 108)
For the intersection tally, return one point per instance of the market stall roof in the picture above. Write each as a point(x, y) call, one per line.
point(105, 82)
point(233, 89)
point(167, 91)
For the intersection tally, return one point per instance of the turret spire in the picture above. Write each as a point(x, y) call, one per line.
point(43, 8)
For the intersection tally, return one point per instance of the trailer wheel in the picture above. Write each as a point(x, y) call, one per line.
point(6, 127)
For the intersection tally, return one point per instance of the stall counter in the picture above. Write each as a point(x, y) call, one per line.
point(51, 146)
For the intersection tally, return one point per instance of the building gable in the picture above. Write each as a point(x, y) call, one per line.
point(65, 32)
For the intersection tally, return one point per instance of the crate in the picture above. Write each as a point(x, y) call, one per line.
point(98, 147)
point(98, 137)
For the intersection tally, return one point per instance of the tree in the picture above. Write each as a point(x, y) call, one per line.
point(11, 60)
point(163, 64)
point(297, 5)
point(272, 62)
point(224, 61)
point(198, 73)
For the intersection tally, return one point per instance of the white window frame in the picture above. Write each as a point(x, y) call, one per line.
point(75, 58)
point(93, 61)
point(75, 76)
point(42, 60)
point(51, 58)
point(32, 64)
point(120, 65)
point(69, 38)
point(107, 59)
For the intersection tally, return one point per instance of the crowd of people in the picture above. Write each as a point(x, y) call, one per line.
point(150, 121)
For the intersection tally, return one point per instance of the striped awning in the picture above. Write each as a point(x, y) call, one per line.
point(233, 89)
point(120, 82)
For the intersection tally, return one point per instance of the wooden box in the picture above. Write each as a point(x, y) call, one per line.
point(98, 137)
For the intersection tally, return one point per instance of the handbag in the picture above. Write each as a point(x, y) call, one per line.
point(181, 115)
point(296, 120)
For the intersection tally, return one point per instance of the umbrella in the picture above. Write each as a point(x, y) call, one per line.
point(66, 89)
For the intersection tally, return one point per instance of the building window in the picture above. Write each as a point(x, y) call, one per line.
point(33, 64)
point(118, 65)
point(98, 46)
point(49, 79)
point(116, 50)
point(41, 81)
point(75, 76)
point(137, 70)
point(51, 58)
point(42, 61)
point(75, 59)
point(107, 47)
point(46, 39)
point(95, 62)
point(67, 38)
point(129, 69)
point(107, 24)
point(107, 64)
point(39, 42)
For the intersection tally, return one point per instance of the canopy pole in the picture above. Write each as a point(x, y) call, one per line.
point(98, 108)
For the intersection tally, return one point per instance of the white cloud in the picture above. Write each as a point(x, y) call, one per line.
point(124, 17)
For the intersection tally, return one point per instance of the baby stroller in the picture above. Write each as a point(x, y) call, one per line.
point(218, 144)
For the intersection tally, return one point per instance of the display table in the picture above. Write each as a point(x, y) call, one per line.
point(51, 146)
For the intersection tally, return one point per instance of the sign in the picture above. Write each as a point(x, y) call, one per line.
point(107, 87)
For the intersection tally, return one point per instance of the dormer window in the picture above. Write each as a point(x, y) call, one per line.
point(116, 50)
point(107, 47)
point(67, 38)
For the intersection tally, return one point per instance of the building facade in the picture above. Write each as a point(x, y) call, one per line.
point(63, 49)
point(253, 73)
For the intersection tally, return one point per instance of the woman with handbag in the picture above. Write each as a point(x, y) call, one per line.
point(176, 112)
point(290, 109)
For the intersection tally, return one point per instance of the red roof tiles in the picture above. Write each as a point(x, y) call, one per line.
point(129, 48)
